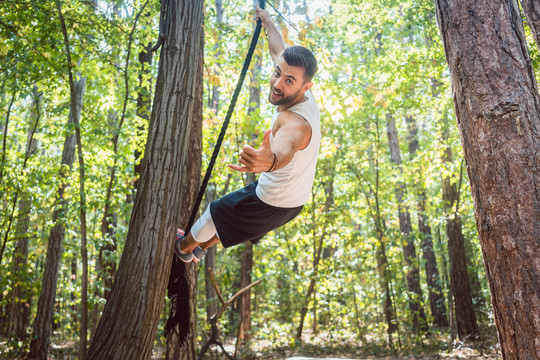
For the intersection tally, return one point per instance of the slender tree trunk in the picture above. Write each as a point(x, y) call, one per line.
point(214, 96)
point(244, 302)
point(2, 165)
point(82, 196)
point(373, 201)
point(4, 143)
point(497, 107)
point(45, 310)
point(127, 332)
point(74, 296)
point(311, 287)
point(317, 251)
point(20, 300)
point(144, 104)
point(436, 296)
point(409, 250)
point(212, 305)
point(531, 8)
point(244, 327)
point(384, 283)
point(460, 284)
point(21, 297)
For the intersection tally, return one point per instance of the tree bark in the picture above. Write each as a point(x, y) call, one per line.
point(127, 332)
point(405, 226)
point(45, 311)
point(497, 106)
point(193, 171)
point(436, 296)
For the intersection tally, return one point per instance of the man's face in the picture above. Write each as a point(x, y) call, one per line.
point(287, 83)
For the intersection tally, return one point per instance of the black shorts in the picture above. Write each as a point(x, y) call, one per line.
point(241, 216)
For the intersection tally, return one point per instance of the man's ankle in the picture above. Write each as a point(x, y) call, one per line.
point(185, 247)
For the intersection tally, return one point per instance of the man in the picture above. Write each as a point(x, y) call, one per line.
point(287, 159)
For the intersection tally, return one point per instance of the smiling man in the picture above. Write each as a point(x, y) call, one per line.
point(287, 159)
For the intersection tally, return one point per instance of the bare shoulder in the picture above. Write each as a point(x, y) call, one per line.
point(295, 127)
point(291, 119)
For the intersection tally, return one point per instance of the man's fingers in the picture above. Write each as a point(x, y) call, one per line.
point(238, 168)
point(244, 160)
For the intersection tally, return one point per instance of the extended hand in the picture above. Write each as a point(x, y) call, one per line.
point(256, 160)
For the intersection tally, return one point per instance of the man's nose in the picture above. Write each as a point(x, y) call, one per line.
point(277, 84)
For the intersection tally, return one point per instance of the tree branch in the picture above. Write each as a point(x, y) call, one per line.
point(162, 25)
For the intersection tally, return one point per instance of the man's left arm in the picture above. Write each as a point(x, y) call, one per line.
point(291, 134)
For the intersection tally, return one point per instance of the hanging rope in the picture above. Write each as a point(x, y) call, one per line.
point(178, 288)
point(230, 111)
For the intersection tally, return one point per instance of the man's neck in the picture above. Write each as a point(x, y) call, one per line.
point(301, 98)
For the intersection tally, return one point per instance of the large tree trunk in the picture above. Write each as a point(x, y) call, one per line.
point(193, 171)
point(497, 106)
point(436, 296)
point(127, 332)
point(45, 310)
point(409, 250)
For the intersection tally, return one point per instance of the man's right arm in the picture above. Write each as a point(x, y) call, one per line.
point(275, 41)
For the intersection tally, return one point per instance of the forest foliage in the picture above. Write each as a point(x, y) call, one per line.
point(378, 60)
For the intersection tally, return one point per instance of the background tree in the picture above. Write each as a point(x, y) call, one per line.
point(18, 306)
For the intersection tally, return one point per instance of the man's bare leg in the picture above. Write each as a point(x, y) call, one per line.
point(189, 244)
point(213, 241)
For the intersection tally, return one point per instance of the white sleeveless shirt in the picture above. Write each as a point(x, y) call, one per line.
point(291, 185)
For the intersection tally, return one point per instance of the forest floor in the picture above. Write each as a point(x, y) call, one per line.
point(322, 347)
point(314, 348)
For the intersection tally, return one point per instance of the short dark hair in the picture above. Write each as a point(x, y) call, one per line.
point(300, 56)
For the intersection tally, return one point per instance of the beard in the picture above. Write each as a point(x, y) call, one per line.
point(280, 99)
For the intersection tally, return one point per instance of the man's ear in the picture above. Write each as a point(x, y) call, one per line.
point(307, 86)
